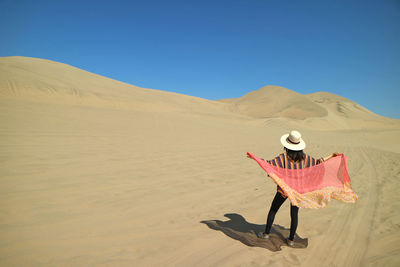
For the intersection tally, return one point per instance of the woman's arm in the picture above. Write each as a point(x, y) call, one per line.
point(331, 156)
point(252, 158)
point(268, 161)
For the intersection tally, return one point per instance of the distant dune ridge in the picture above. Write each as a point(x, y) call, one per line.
point(275, 101)
point(42, 80)
point(95, 171)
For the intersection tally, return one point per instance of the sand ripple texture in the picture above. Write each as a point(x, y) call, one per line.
point(97, 183)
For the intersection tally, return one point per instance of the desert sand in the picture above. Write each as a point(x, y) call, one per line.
point(98, 172)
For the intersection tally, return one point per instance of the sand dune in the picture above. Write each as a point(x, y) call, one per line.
point(39, 80)
point(276, 101)
point(344, 108)
point(98, 172)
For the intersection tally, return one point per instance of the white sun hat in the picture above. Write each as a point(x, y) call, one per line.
point(293, 141)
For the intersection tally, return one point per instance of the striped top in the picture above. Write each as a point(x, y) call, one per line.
point(283, 161)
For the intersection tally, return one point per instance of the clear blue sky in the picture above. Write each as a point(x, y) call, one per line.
point(220, 49)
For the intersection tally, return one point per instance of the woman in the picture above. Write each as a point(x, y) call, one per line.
point(292, 158)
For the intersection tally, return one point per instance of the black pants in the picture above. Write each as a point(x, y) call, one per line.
point(276, 204)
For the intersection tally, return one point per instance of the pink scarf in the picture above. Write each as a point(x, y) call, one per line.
point(315, 186)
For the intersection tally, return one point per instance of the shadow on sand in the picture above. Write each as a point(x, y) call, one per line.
point(239, 229)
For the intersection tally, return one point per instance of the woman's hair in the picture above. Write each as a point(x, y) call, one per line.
point(295, 155)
